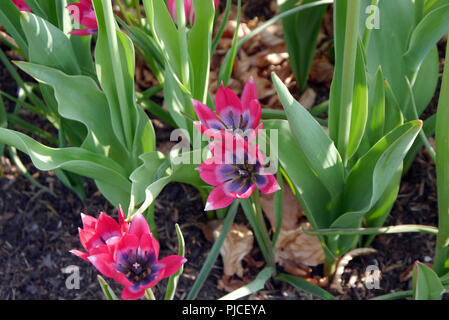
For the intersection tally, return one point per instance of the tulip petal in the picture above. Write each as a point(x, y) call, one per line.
point(228, 107)
point(267, 183)
point(133, 293)
point(127, 246)
point(171, 264)
point(89, 239)
point(21, 5)
point(83, 32)
point(239, 188)
point(215, 174)
point(103, 262)
point(218, 199)
point(150, 245)
point(122, 221)
point(139, 225)
point(122, 279)
point(89, 20)
point(251, 116)
point(77, 10)
point(249, 93)
point(89, 222)
point(107, 227)
point(244, 194)
point(207, 116)
point(171, 4)
point(80, 254)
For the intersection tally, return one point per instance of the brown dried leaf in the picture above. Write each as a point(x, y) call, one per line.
point(292, 210)
point(229, 285)
point(238, 243)
point(298, 247)
point(322, 71)
point(308, 98)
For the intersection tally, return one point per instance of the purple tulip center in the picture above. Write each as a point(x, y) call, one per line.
point(246, 173)
point(140, 268)
point(232, 123)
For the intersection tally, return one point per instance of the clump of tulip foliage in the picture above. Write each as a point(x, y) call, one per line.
point(346, 177)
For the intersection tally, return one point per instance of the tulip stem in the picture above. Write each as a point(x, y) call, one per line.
point(149, 295)
point(441, 258)
point(138, 13)
point(347, 82)
point(264, 239)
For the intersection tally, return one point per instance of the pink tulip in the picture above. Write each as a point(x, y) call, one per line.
point(188, 8)
point(235, 171)
point(127, 254)
point(232, 114)
point(21, 5)
point(84, 14)
point(97, 232)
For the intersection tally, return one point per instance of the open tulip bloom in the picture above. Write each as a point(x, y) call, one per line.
point(234, 115)
point(127, 253)
point(84, 14)
point(235, 170)
point(188, 8)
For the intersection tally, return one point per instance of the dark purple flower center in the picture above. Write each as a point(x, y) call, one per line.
point(139, 268)
point(229, 122)
point(246, 174)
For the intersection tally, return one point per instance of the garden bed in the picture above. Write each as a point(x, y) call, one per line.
point(37, 229)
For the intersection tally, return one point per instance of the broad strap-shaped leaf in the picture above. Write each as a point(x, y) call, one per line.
point(441, 261)
point(199, 42)
point(301, 32)
point(176, 172)
point(393, 113)
point(115, 63)
point(318, 149)
point(252, 287)
point(370, 177)
point(431, 5)
point(359, 113)
point(386, 48)
point(426, 284)
point(82, 48)
point(10, 20)
point(144, 41)
point(105, 171)
point(178, 102)
point(164, 30)
point(372, 173)
point(304, 285)
point(426, 34)
point(311, 193)
point(49, 46)
point(340, 8)
point(307, 187)
point(376, 217)
point(376, 121)
point(79, 99)
point(144, 175)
